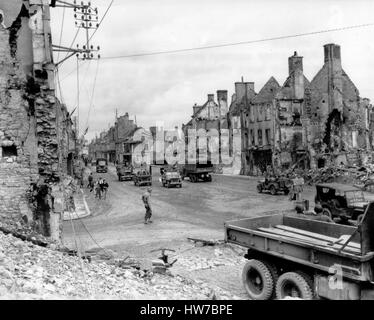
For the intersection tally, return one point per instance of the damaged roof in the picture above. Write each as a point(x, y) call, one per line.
point(268, 91)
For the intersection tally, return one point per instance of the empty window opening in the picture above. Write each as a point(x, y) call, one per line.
point(9, 151)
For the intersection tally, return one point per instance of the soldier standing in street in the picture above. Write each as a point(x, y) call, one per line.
point(147, 204)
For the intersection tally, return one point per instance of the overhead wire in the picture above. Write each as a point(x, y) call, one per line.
point(236, 43)
point(93, 92)
point(102, 19)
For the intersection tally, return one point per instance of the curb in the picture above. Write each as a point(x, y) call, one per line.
point(75, 215)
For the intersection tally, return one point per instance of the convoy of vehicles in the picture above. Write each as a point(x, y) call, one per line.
point(307, 259)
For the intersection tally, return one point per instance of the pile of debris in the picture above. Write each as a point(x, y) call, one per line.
point(29, 271)
point(343, 174)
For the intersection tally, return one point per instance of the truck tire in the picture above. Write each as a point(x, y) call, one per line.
point(273, 190)
point(209, 178)
point(295, 285)
point(327, 212)
point(286, 191)
point(258, 280)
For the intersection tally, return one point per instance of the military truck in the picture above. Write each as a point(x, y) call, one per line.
point(274, 185)
point(171, 179)
point(124, 172)
point(142, 178)
point(198, 171)
point(101, 165)
point(301, 258)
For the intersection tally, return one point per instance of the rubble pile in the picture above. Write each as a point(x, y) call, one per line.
point(28, 271)
point(22, 230)
point(343, 174)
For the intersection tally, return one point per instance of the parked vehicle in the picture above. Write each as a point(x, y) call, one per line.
point(274, 185)
point(124, 172)
point(341, 201)
point(171, 179)
point(102, 165)
point(142, 178)
point(307, 259)
point(196, 172)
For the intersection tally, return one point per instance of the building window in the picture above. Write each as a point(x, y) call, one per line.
point(9, 151)
point(252, 137)
point(267, 137)
point(252, 114)
point(268, 112)
point(259, 137)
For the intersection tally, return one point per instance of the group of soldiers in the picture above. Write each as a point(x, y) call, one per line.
point(100, 186)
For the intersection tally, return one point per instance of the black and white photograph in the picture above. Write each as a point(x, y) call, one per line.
point(206, 151)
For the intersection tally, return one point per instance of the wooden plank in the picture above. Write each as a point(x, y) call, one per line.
point(317, 235)
point(310, 240)
point(293, 241)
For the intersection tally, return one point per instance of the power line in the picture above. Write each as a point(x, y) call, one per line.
point(110, 5)
point(93, 92)
point(237, 43)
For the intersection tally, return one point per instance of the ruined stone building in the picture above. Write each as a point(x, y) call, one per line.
point(337, 119)
point(208, 128)
point(35, 128)
point(258, 128)
point(302, 124)
point(289, 145)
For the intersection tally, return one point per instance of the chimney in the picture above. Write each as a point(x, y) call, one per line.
point(210, 97)
point(335, 81)
point(332, 53)
point(295, 63)
point(250, 85)
point(222, 102)
point(239, 90)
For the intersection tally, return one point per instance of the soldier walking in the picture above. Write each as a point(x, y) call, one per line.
point(147, 204)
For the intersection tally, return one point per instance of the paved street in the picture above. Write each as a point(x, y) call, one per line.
point(197, 210)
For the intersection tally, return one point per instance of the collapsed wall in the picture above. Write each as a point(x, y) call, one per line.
point(30, 155)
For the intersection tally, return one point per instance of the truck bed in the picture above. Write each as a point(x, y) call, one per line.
point(312, 243)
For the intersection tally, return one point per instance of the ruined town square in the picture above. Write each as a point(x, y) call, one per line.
point(163, 151)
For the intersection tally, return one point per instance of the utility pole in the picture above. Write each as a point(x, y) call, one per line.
point(87, 18)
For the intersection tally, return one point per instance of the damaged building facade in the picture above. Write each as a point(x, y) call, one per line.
point(209, 130)
point(305, 124)
point(36, 135)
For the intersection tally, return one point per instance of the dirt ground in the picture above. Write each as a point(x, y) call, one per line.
point(197, 210)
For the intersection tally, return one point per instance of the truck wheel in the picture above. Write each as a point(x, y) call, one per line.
point(286, 191)
point(273, 191)
point(209, 179)
point(258, 280)
point(259, 188)
point(294, 285)
point(327, 212)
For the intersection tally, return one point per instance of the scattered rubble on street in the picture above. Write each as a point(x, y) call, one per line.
point(28, 271)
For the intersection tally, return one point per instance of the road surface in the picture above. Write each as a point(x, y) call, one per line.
point(197, 210)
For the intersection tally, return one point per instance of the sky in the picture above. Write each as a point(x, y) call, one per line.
point(163, 88)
